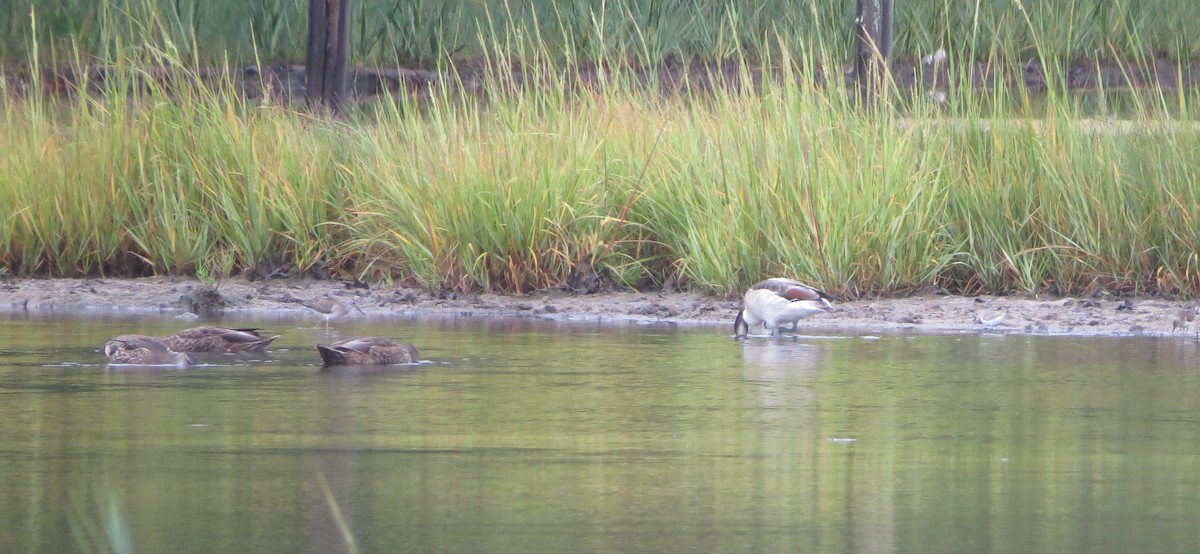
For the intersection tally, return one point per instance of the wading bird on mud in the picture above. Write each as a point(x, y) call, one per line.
point(330, 309)
point(777, 301)
point(991, 320)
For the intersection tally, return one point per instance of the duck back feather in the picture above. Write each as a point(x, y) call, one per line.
point(218, 339)
point(144, 350)
point(367, 351)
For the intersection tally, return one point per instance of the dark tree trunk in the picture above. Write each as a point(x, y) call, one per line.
point(872, 45)
point(328, 48)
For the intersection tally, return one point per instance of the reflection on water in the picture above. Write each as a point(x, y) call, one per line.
point(526, 436)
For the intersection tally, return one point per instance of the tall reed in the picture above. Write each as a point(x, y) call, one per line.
point(1078, 205)
point(510, 195)
point(162, 173)
point(798, 181)
point(426, 31)
point(540, 175)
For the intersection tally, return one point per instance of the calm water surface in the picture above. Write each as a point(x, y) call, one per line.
point(523, 436)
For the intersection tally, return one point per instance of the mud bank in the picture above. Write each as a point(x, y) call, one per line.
point(935, 313)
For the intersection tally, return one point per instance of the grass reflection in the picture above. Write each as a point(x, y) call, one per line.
point(98, 524)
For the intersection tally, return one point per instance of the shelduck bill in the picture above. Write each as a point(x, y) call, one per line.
point(776, 302)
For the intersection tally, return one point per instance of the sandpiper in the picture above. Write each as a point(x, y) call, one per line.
point(330, 309)
point(990, 321)
point(1183, 318)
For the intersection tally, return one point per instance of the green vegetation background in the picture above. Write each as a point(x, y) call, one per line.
point(515, 187)
point(424, 31)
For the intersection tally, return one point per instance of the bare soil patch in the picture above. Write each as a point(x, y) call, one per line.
point(1100, 315)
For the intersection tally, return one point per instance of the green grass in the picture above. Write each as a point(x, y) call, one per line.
point(511, 194)
point(161, 180)
point(512, 189)
point(387, 32)
point(1079, 207)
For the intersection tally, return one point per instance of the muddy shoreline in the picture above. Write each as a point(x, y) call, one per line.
point(930, 313)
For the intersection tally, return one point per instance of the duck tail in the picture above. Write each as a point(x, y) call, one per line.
point(261, 345)
point(329, 355)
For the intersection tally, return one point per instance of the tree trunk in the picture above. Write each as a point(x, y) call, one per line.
point(328, 48)
point(872, 45)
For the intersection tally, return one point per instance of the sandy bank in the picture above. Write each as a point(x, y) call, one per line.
point(1102, 316)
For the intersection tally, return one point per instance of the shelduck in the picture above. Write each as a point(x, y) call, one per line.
point(777, 301)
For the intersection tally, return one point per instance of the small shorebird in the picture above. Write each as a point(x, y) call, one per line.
point(778, 301)
point(366, 351)
point(217, 339)
point(1183, 318)
point(144, 350)
point(990, 321)
point(330, 309)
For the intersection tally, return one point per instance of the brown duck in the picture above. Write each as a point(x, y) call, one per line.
point(367, 351)
point(143, 350)
point(218, 339)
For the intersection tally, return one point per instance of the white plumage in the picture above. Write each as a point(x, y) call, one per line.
point(776, 302)
point(990, 321)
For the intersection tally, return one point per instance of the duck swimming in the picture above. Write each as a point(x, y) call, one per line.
point(776, 302)
point(218, 339)
point(144, 350)
point(366, 351)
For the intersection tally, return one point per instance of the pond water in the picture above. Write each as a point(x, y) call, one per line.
point(531, 436)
